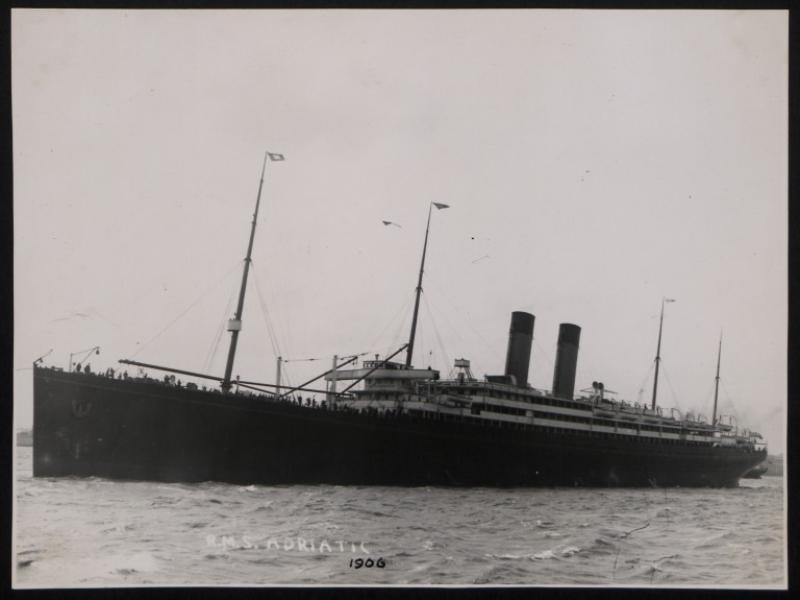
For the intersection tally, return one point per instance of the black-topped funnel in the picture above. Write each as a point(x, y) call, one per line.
point(520, 338)
point(569, 336)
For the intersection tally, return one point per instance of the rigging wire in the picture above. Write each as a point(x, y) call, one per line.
point(421, 337)
point(708, 395)
point(286, 375)
point(399, 331)
point(729, 400)
point(455, 334)
point(272, 333)
point(267, 316)
point(496, 346)
point(273, 338)
point(445, 354)
point(454, 331)
point(286, 378)
point(644, 382)
point(212, 351)
point(341, 357)
point(671, 389)
point(544, 354)
point(401, 313)
point(186, 310)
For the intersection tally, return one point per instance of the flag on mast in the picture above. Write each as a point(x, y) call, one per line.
point(669, 299)
point(440, 206)
point(274, 156)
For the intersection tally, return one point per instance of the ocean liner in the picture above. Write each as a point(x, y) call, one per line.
point(389, 424)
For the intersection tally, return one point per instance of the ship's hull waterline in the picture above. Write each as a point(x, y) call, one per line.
point(89, 425)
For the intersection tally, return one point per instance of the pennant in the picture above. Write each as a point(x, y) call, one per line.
point(274, 156)
point(440, 206)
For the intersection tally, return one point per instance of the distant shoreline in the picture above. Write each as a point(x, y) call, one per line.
point(24, 437)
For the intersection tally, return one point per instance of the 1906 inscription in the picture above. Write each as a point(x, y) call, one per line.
point(358, 563)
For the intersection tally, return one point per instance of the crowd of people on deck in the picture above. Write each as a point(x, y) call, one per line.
point(171, 380)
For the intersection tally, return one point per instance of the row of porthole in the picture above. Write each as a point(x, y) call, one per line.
point(485, 422)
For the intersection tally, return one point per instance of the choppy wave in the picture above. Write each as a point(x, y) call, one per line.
point(95, 532)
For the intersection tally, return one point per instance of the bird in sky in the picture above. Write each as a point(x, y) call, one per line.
point(72, 315)
point(90, 313)
point(392, 223)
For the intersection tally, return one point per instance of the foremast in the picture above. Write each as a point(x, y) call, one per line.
point(235, 324)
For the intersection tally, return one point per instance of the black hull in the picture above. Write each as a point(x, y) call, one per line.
point(87, 425)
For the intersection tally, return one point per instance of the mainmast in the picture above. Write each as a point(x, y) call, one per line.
point(658, 350)
point(716, 382)
point(235, 324)
point(413, 334)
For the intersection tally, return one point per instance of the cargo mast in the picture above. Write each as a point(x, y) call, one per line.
point(235, 324)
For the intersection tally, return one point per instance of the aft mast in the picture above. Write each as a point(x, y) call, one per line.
point(658, 350)
point(235, 324)
point(716, 382)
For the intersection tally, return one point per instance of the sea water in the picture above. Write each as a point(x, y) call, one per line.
point(98, 532)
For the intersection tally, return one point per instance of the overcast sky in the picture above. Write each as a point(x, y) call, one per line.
point(594, 163)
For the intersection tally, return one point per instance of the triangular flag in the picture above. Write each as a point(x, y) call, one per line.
point(275, 156)
point(439, 205)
